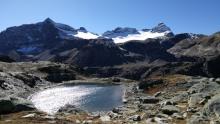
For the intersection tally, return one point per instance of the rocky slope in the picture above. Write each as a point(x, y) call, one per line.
point(168, 99)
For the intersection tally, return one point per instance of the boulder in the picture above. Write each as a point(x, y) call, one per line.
point(14, 104)
point(149, 83)
point(6, 105)
point(115, 79)
point(70, 109)
point(198, 119)
point(197, 99)
point(21, 104)
point(116, 110)
point(149, 100)
point(135, 118)
point(180, 97)
point(170, 109)
point(212, 108)
point(205, 87)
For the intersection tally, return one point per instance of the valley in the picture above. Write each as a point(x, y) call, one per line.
point(47, 68)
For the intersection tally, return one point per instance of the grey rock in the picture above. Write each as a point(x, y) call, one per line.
point(192, 110)
point(160, 115)
point(21, 104)
point(211, 79)
point(205, 87)
point(113, 115)
point(6, 105)
point(180, 97)
point(212, 108)
point(14, 104)
point(217, 80)
point(149, 100)
point(70, 109)
point(157, 120)
point(157, 94)
point(135, 118)
point(197, 119)
point(196, 99)
point(167, 102)
point(178, 116)
point(116, 110)
point(170, 109)
point(28, 79)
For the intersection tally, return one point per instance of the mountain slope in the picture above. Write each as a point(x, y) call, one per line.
point(122, 35)
point(204, 47)
point(51, 41)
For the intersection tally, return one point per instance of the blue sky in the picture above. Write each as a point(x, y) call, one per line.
point(196, 16)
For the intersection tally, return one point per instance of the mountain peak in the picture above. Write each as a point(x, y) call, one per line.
point(119, 31)
point(82, 29)
point(161, 27)
point(161, 23)
point(48, 20)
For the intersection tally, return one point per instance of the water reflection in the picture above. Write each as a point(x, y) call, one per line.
point(91, 98)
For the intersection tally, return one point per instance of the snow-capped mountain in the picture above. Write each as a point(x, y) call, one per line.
point(160, 28)
point(67, 32)
point(84, 34)
point(34, 38)
point(119, 31)
point(122, 35)
point(52, 41)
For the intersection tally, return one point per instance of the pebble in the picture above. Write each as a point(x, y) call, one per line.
point(29, 115)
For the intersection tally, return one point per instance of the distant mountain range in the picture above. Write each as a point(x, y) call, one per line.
point(51, 41)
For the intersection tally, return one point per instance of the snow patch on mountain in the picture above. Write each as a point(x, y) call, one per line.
point(141, 36)
point(86, 35)
point(121, 35)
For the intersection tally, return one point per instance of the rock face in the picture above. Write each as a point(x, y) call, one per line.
point(149, 83)
point(58, 73)
point(13, 104)
point(18, 38)
point(151, 49)
point(212, 67)
point(212, 108)
point(120, 32)
point(169, 109)
point(5, 59)
point(29, 80)
point(101, 53)
point(206, 46)
point(170, 42)
point(19, 80)
point(161, 27)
